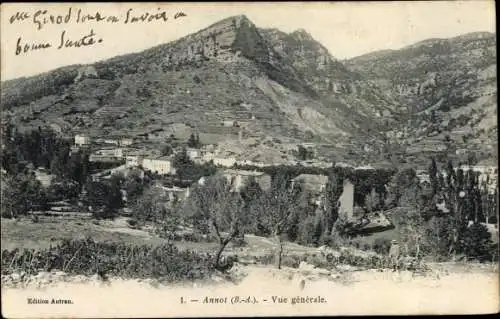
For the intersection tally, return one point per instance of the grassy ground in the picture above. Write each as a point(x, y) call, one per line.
point(24, 233)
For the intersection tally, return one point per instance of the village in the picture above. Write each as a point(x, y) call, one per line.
point(125, 154)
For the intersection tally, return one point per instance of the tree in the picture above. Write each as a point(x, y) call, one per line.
point(433, 171)
point(20, 194)
point(277, 207)
point(403, 179)
point(333, 190)
point(303, 154)
point(371, 201)
point(472, 158)
point(134, 186)
point(104, 197)
point(153, 206)
point(187, 170)
point(477, 242)
point(213, 207)
point(63, 189)
point(194, 140)
point(167, 150)
point(149, 204)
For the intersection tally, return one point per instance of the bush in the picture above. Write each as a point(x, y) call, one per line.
point(477, 243)
point(382, 246)
point(87, 257)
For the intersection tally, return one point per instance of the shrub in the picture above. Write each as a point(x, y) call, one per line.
point(477, 243)
point(382, 246)
point(87, 257)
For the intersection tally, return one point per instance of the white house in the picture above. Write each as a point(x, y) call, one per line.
point(240, 178)
point(81, 140)
point(126, 142)
point(225, 162)
point(175, 192)
point(111, 141)
point(133, 161)
point(230, 123)
point(160, 165)
point(193, 153)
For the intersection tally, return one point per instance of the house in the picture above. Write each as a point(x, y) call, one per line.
point(241, 178)
point(81, 140)
point(210, 148)
point(224, 162)
point(107, 155)
point(133, 161)
point(110, 141)
point(56, 128)
point(126, 142)
point(193, 153)
point(124, 170)
point(365, 168)
point(230, 123)
point(424, 178)
point(175, 193)
point(43, 176)
point(112, 152)
point(161, 165)
point(309, 147)
point(315, 184)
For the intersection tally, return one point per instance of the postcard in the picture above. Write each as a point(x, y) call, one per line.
point(248, 159)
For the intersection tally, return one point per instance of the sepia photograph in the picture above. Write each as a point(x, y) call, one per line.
point(249, 159)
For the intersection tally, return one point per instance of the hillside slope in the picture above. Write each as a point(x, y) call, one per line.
point(446, 87)
point(224, 73)
point(278, 85)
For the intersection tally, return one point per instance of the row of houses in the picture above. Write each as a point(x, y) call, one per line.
point(84, 140)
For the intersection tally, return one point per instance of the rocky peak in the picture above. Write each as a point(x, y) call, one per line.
point(302, 35)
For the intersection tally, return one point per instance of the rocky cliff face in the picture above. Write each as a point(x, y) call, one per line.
point(328, 76)
point(313, 61)
point(446, 87)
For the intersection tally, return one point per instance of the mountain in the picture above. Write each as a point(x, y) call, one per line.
point(228, 71)
point(280, 89)
point(446, 87)
point(328, 76)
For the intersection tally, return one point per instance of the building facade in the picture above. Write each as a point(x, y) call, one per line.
point(159, 166)
point(81, 140)
point(240, 178)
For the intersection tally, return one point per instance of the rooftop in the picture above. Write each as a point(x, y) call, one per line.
point(312, 179)
point(243, 172)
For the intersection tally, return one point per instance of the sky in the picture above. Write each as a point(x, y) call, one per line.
point(346, 29)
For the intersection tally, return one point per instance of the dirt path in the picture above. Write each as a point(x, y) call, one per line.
point(366, 292)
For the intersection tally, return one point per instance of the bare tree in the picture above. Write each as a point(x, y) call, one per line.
point(412, 230)
point(215, 206)
point(277, 208)
point(371, 200)
point(154, 206)
point(333, 190)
